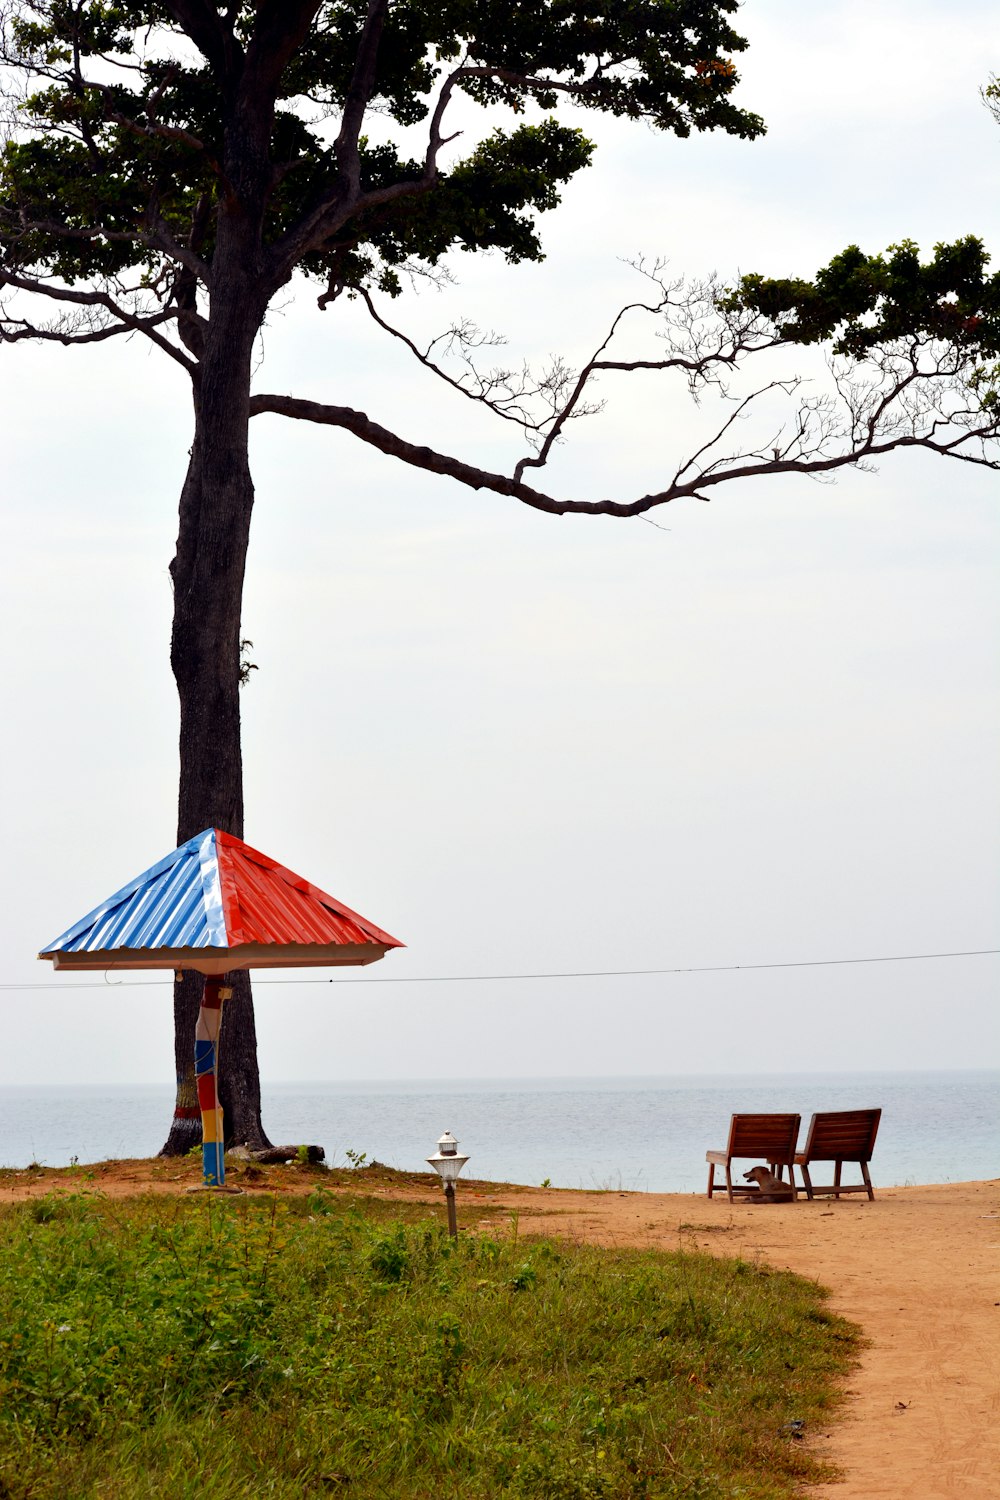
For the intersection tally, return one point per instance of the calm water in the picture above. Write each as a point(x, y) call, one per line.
point(647, 1133)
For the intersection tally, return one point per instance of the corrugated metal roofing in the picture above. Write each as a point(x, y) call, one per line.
point(216, 892)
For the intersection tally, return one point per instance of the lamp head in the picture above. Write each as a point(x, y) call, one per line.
point(446, 1160)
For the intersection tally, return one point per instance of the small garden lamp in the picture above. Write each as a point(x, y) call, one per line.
point(447, 1164)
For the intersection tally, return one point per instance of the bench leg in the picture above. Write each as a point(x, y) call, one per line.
point(807, 1180)
point(778, 1168)
point(868, 1181)
point(838, 1164)
point(711, 1178)
point(729, 1183)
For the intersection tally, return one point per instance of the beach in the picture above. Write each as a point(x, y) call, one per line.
point(916, 1268)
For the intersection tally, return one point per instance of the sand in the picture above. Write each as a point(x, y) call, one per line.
point(917, 1269)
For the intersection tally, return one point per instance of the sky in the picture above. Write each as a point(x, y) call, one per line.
point(764, 731)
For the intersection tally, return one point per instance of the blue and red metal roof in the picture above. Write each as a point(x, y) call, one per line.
point(216, 904)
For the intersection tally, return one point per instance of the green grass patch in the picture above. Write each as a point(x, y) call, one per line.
point(171, 1347)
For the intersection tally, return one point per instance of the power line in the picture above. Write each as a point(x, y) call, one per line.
point(800, 963)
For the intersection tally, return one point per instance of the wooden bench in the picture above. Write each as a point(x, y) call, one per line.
point(839, 1136)
point(760, 1138)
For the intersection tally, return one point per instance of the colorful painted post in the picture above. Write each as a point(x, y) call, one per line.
point(206, 1043)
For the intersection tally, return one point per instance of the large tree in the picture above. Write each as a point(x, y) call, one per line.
point(171, 165)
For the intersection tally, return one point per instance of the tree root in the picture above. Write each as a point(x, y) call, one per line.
point(274, 1154)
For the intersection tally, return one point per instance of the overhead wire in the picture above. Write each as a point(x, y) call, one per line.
point(798, 963)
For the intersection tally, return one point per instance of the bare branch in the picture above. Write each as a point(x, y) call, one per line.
point(66, 330)
point(90, 305)
point(815, 443)
point(419, 456)
point(507, 392)
point(563, 416)
point(703, 343)
point(737, 415)
point(916, 393)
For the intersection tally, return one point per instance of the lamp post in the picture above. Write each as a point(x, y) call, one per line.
point(447, 1164)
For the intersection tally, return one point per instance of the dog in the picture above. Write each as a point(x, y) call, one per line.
point(771, 1189)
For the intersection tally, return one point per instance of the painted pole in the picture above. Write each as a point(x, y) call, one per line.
point(206, 1056)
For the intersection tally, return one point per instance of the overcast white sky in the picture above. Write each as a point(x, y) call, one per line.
point(521, 744)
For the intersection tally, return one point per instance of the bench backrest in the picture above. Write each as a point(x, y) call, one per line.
point(844, 1135)
point(767, 1137)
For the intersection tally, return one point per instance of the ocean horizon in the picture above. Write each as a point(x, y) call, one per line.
point(630, 1133)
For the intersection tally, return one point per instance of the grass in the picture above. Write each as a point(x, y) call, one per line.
point(170, 1347)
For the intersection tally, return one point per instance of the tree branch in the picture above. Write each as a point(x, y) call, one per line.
point(14, 330)
point(129, 322)
point(211, 34)
point(504, 392)
point(344, 199)
point(358, 97)
point(157, 238)
point(536, 83)
point(704, 344)
point(164, 132)
point(417, 455)
point(279, 30)
point(805, 453)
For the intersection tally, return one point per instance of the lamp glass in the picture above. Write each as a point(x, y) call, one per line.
point(447, 1166)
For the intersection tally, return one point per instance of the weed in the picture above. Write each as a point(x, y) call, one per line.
point(524, 1277)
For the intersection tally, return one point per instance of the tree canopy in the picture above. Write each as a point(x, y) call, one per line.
point(860, 302)
point(135, 115)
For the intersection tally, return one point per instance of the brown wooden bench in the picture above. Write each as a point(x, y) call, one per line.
point(760, 1138)
point(839, 1136)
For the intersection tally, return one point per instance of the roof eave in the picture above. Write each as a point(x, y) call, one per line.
point(223, 960)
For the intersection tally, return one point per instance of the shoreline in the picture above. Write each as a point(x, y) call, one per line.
point(916, 1269)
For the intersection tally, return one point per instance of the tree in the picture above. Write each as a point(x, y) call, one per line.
point(171, 165)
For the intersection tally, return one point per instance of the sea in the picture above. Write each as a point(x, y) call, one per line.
point(638, 1134)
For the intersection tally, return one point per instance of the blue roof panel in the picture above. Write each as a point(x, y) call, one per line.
point(176, 903)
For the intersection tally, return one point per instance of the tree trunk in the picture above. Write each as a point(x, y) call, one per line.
point(238, 1077)
point(207, 573)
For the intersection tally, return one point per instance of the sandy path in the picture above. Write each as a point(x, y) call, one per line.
point(918, 1269)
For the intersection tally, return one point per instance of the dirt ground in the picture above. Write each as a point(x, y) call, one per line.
point(917, 1269)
